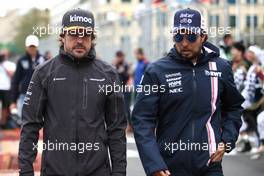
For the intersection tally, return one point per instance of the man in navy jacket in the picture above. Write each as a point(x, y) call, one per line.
point(193, 115)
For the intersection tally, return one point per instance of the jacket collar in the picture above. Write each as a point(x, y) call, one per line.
point(208, 51)
point(70, 58)
point(28, 56)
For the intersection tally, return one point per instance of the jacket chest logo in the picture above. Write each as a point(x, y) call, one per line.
point(97, 79)
point(59, 79)
point(174, 82)
point(213, 73)
point(213, 70)
point(25, 64)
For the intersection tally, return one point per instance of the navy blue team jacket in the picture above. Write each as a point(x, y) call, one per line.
point(195, 108)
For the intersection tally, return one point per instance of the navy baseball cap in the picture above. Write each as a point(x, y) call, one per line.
point(189, 19)
point(78, 18)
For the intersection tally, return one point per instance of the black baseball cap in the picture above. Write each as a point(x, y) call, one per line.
point(189, 19)
point(78, 18)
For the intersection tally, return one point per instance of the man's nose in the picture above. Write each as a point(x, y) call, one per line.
point(184, 42)
point(79, 39)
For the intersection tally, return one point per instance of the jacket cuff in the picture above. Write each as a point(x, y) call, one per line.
point(118, 174)
point(229, 145)
point(150, 173)
point(26, 174)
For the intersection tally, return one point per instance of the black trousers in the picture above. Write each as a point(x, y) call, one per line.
point(214, 169)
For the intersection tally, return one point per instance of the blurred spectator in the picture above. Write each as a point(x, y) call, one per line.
point(253, 85)
point(123, 69)
point(260, 122)
point(239, 70)
point(141, 66)
point(7, 70)
point(47, 55)
point(24, 70)
point(252, 93)
point(239, 65)
point(260, 118)
point(225, 47)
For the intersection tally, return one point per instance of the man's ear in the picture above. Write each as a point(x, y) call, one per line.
point(173, 39)
point(204, 38)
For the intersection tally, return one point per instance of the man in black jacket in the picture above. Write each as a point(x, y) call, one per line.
point(80, 121)
point(24, 70)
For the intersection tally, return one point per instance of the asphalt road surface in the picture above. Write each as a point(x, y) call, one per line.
point(233, 165)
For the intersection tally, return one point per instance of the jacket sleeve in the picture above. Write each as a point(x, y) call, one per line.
point(116, 124)
point(144, 119)
point(32, 118)
point(15, 82)
point(231, 110)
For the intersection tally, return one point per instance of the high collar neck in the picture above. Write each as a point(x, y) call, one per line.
point(29, 56)
point(89, 57)
point(175, 55)
point(207, 51)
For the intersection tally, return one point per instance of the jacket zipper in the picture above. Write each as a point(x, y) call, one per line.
point(194, 93)
point(192, 119)
point(77, 119)
point(85, 93)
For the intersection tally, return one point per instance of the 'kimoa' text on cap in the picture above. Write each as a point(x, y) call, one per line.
point(80, 19)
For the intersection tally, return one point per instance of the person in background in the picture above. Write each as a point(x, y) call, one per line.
point(252, 93)
point(260, 122)
point(141, 66)
point(238, 65)
point(259, 54)
point(260, 117)
point(48, 55)
point(123, 69)
point(7, 69)
point(253, 84)
point(225, 47)
point(24, 70)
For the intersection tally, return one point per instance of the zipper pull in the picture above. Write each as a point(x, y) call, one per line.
point(193, 72)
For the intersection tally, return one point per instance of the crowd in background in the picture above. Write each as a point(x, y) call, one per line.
point(248, 68)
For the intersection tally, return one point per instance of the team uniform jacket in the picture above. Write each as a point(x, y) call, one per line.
point(64, 97)
point(195, 104)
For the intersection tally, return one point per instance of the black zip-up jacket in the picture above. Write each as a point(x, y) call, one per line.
point(24, 70)
point(65, 99)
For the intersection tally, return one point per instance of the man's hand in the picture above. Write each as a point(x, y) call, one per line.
point(13, 106)
point(162, 173)
point(218, 155)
